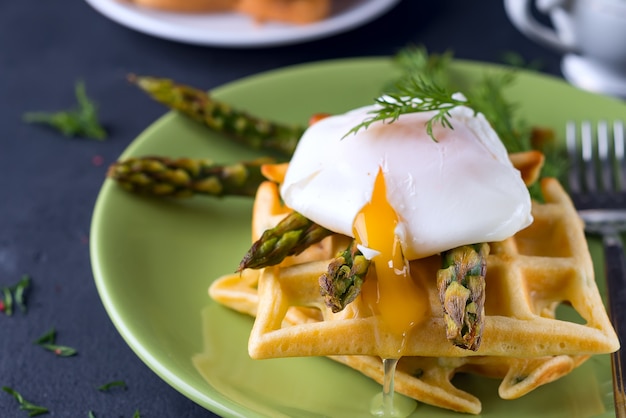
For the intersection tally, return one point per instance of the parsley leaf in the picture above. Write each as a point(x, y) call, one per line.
point(79, 122)
point(32, 409)
point(15, 294)
point(115, 384)
point(47, 341)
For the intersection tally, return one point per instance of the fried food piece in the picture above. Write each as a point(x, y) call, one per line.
point(299, 12)
point(292, 11)
point(188, 6)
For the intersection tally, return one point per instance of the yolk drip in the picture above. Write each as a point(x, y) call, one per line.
point(401, 302)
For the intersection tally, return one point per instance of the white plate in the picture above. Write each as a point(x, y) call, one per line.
point(236, 29)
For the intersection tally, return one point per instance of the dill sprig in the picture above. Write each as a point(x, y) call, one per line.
point(416, 60)
point(426, 84)
point(32, 409)
point(414, 94)
point(488, 98)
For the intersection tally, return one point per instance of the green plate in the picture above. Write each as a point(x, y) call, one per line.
point(153, 260)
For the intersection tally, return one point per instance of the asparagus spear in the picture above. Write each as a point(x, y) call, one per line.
point(461, 284)
point(291, 236)
point(342, 283)
point(243, 127)
point(185, 177)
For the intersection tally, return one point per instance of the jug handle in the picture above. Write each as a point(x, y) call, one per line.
point(519, 13)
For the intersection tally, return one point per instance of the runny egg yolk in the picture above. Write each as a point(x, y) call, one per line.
point(399, 300)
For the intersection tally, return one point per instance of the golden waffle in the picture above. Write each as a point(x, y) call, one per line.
point(524, 343)
point(427, 379)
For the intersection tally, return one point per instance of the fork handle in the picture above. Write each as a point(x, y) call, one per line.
point(615, 262)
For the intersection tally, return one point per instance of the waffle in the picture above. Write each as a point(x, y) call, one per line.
point(525, 343)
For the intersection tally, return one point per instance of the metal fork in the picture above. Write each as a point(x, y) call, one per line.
point(597, 184)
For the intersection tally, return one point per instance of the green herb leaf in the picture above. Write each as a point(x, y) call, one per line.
point(7, 297)
point(32, 409)
point(19, 289)
point(111, 385)
point(81, 122)
point(91, 415)
point(12, 295)
point(416, 60)
point(60, 350)
point(47, 341)
point(47, 338)
point(136, 414)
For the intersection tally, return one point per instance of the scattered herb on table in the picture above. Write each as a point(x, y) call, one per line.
point(19, 291)
point(32, 409)
point(47, 341)
point(81, 121)
point(7, 302)
point(136, 414)
point(115, 384)
point(14, 295)
point(91, 415)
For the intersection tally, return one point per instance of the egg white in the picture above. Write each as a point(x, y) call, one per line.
point(461, 189)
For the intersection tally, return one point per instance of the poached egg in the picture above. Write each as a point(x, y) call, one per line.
point(460, 189)
point(404, 196)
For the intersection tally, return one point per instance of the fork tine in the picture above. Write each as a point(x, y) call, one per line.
point(606, 165)
point(586, 140)
point(620, 160)
point(597, 165)
point(571, 138)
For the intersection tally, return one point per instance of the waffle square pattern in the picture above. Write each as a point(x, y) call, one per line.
point(544, 314)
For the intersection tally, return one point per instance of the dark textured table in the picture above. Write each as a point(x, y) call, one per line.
point(49, 183)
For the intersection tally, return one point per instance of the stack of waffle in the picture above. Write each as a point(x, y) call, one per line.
point(524, 343)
